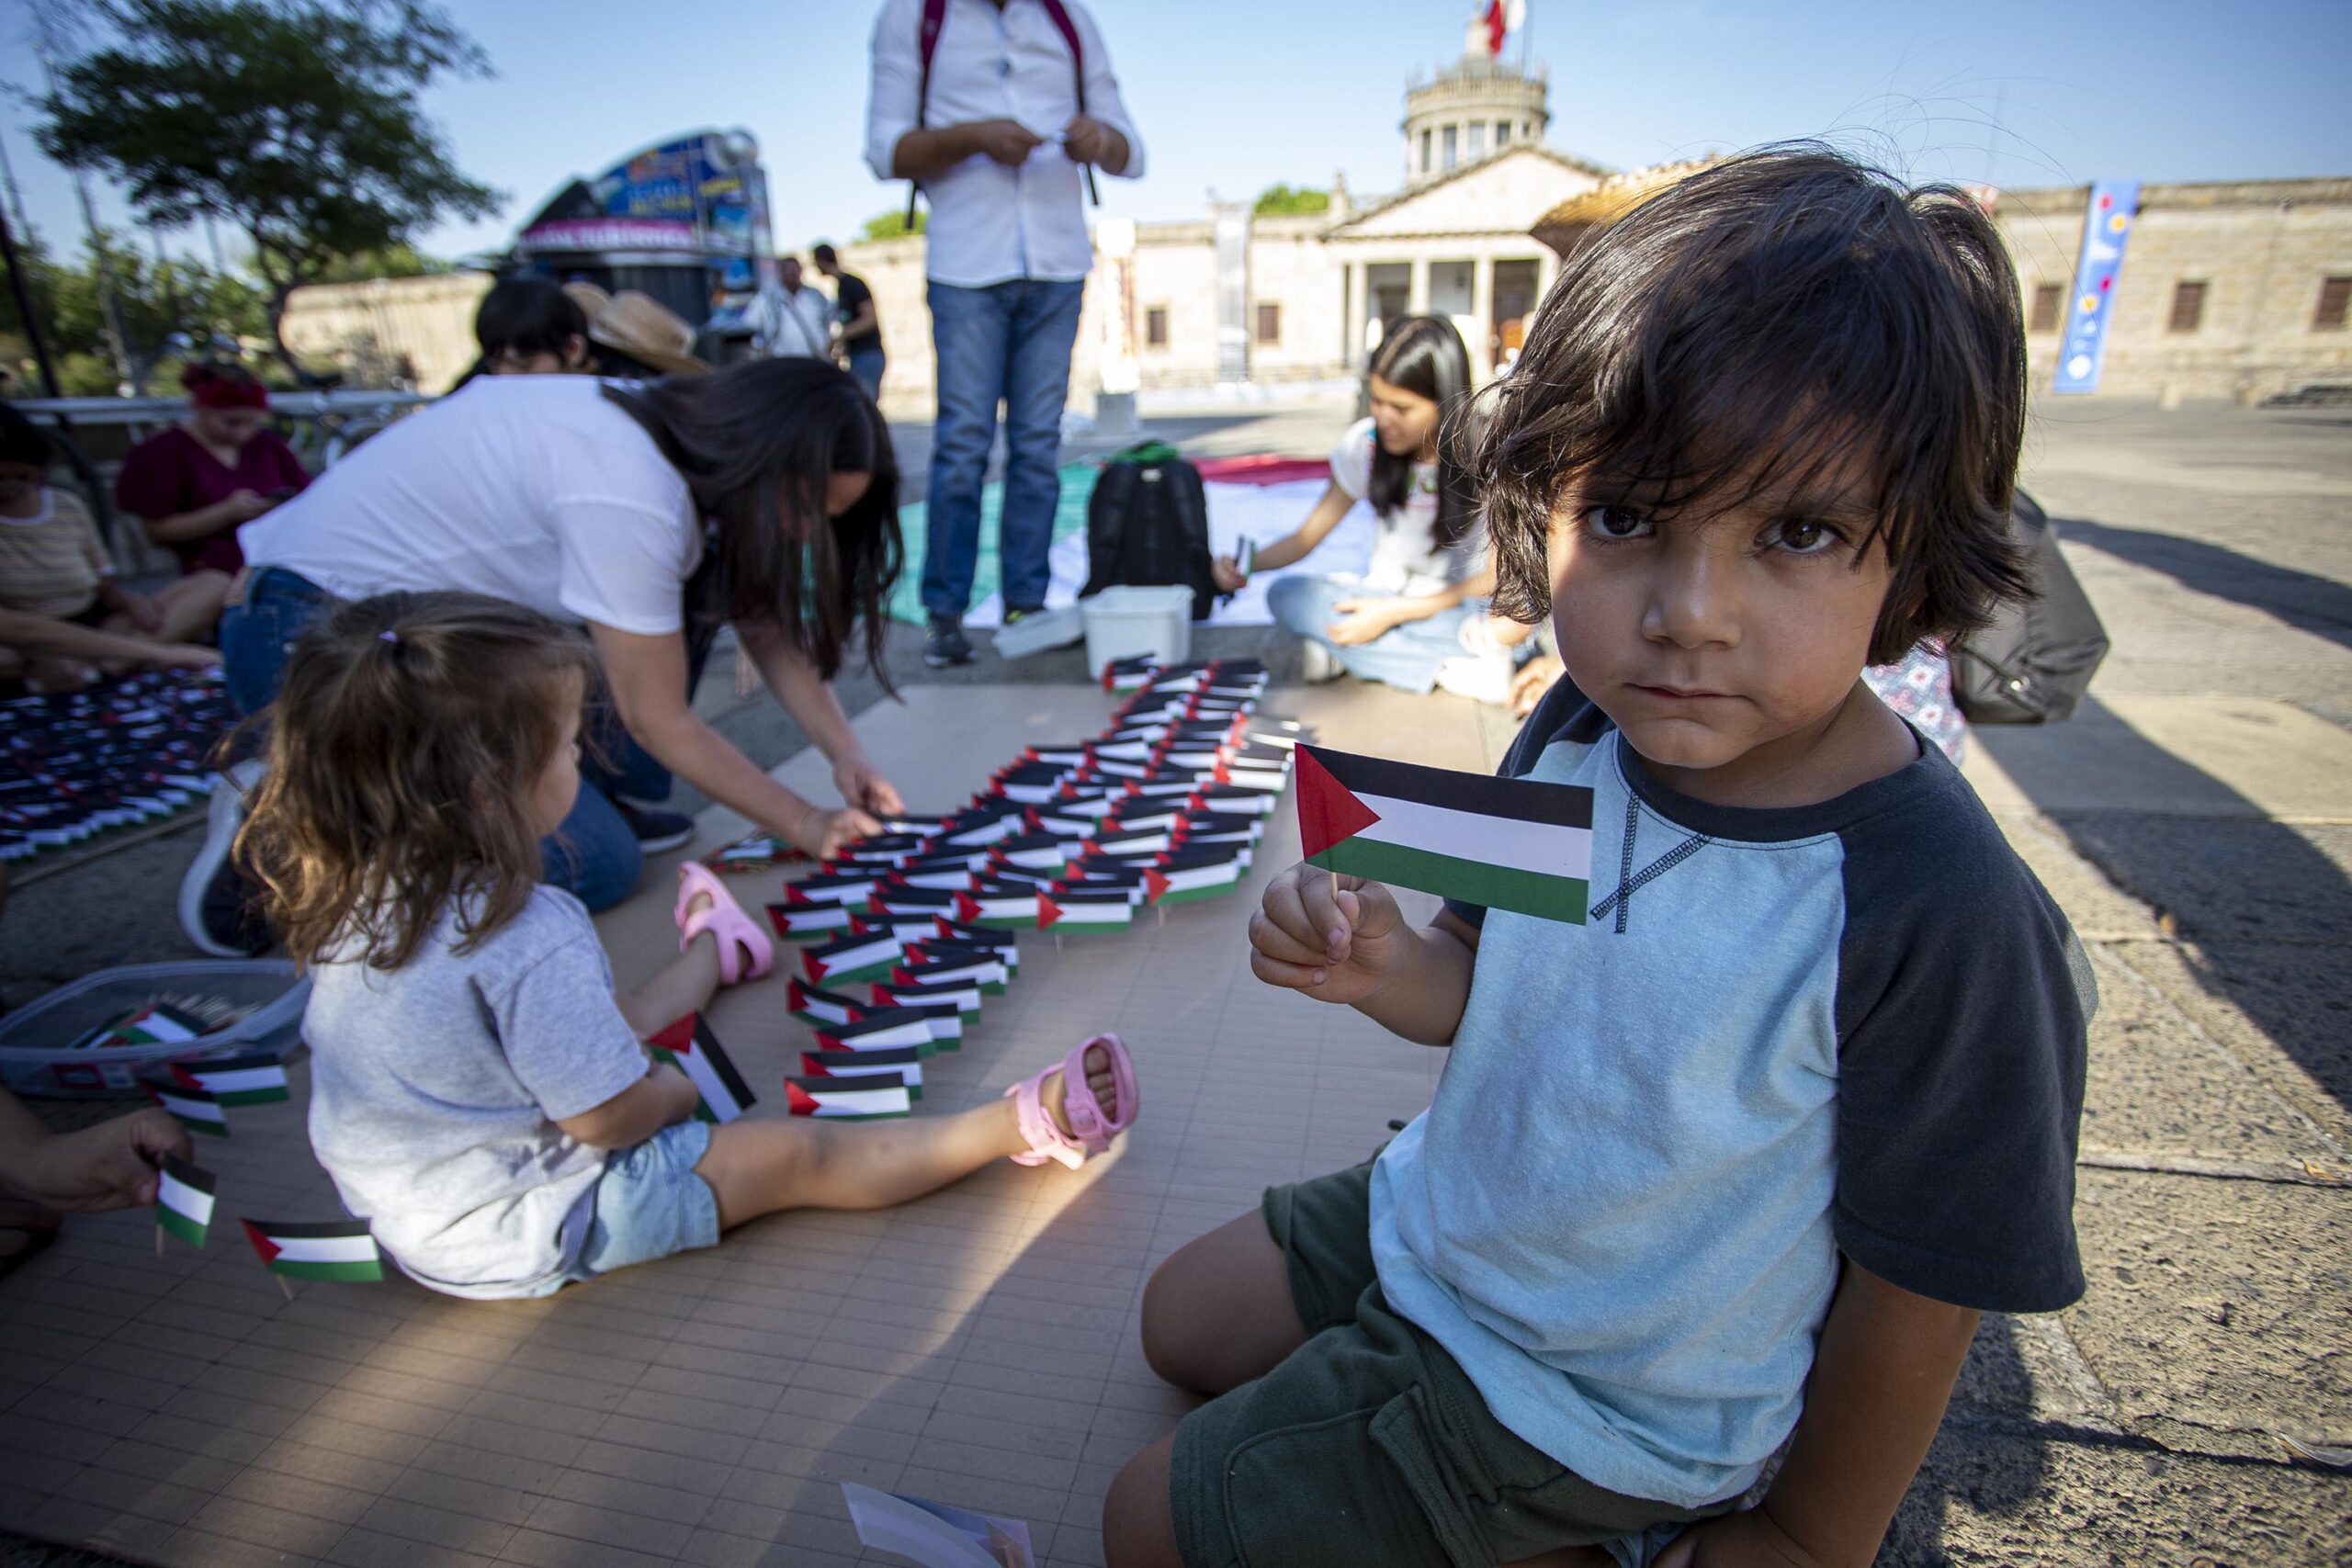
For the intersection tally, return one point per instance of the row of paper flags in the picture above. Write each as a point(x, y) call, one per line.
point(301, 1250)
point(908, 931)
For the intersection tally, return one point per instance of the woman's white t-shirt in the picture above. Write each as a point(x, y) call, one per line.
point(1406, 558)
point(538, 490)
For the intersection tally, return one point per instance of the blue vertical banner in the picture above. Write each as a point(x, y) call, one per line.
point(2107, 227)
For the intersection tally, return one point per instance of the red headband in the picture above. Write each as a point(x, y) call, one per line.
point(215, 391)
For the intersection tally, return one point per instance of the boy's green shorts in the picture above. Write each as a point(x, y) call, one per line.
point(1369, 1444)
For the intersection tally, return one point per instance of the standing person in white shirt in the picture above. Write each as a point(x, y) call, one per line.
point(792, 320)
point(993, 120)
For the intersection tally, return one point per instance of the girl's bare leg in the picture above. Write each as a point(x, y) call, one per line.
point(684, 984)
point(757, 1166)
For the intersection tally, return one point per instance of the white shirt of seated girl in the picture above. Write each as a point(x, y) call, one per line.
point(1406, 558)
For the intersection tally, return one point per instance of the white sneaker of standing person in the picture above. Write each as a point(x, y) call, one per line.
point(1482, 672)
point(218, 902)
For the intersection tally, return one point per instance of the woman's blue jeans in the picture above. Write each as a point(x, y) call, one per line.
point(1405, 657)
point(593, 856)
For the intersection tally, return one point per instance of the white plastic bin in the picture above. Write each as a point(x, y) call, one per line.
point(1135, 623)
point(34, 1060)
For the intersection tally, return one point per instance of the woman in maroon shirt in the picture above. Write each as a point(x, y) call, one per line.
point(195, 483)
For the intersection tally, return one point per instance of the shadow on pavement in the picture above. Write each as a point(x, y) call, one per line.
point(2255, 896)
point(2312, 603)
point(1993, 1466)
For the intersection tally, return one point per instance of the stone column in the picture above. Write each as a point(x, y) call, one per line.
point(1482, 308)
point(1417, 299)
point(1356, 296)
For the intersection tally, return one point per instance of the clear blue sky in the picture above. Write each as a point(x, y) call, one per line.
point(1235, 94)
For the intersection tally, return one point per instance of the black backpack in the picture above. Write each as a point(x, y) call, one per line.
point(2035, 661)
point(1147, 525)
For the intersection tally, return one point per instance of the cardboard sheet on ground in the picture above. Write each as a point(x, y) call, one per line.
point(934, 1534)
point(1259, 512)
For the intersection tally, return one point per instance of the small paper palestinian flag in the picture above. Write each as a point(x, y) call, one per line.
point(689, 1046)
point(1503, 843)
point(862, 1098)
point(1245, 557)
point(807, 922)
point(852, 959)
point(184, 1200)
point(195, 1109)
point(884, 1028)
point(252, 1079)
point(1112, 911)
point(962, 996)
point(815, 1008)
point(952, 875)
point(905, 928)
point(757, 852)
point(1230, 800)
point(980, 969)
point(855, 887)
point(1139, 842)
point(905, 1062)
point(332, 1249)
point(1182, 885)
point(997, 911)
point(890, 899)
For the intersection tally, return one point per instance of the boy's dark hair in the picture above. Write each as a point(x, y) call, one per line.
point(1423, 355)
point(526, 316)
point(825, 255)
point(22, 441)
point(1781, 317)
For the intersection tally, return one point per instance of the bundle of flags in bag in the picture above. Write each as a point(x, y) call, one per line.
point(908, 932)
point(75, 765)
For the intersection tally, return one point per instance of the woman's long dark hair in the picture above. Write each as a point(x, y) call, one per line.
point(755, 444)
point(1423, 355)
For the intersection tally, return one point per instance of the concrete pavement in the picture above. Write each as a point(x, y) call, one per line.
point(2195, 821)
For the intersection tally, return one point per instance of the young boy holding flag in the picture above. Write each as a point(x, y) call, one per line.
point(1743, 1154)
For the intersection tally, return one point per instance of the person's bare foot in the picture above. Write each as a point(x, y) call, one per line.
point(1100, 1079)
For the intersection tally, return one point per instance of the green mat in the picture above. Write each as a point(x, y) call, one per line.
point(1070, 517)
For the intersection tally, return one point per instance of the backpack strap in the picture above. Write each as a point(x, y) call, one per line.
point(935, 16)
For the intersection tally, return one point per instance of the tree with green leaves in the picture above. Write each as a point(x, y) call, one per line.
point(295, 120)
point(892, 225)
point(1290, 201)
point(158, 300)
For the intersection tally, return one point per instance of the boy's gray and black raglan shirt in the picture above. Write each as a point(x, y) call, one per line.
point(1854, 1027)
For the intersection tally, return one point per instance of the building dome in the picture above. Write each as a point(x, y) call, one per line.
point(1470, 110)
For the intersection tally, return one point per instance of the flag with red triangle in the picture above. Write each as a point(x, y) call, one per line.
point(1502, 843)
point(688, 1045)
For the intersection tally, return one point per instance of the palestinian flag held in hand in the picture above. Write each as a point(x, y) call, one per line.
point(906, 1062)
point(1503, 843)
point(689, 1046)
point(195, 1109)
point(184, 1200)
point(253, 1078)
point(862, 1098)
point(807, 922)
point(1112, 911)
point(335, 1249)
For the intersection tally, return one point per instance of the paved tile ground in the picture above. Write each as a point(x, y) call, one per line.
point(2195, 820)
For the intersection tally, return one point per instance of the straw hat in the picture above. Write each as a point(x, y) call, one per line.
point(643, 328)
point(590, 298)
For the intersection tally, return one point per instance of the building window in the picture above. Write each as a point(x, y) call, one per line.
point(2047, 297)
point(1155, 327)
point(1477, 140)
point(2334, 301)
point(1450, 159)
point(1270, 324)
point(1425, 151)
point(1502, 134)
point(2187, 307)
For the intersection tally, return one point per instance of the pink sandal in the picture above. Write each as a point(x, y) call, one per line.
point(739, 940)
point(1090, 1128)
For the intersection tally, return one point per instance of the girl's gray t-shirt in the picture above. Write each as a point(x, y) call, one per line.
point(436, 1090)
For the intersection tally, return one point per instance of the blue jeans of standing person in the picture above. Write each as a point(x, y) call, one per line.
point(593, 856)
point(866, 364)
point(1009, 341)
point(1405, 657)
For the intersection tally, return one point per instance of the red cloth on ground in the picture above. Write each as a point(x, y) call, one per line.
point(171, 473)
point(1260, 468)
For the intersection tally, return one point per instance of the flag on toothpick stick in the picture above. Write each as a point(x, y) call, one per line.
point(194, 1108)
point(1503, 843)
point(252, 1079)
point(334, 1249)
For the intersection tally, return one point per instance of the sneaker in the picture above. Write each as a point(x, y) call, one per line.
point(1483, 677)
point(654, 829)
point(946, 643)
point(219, 904)
point(1318, 664)
point(1014, 617)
